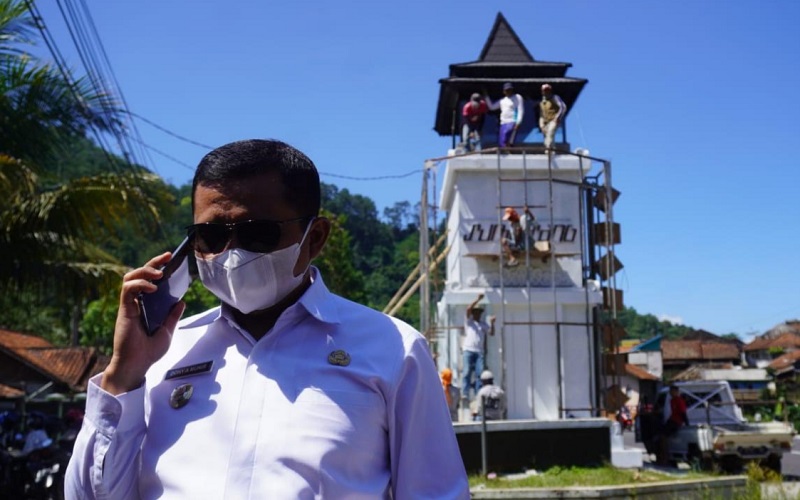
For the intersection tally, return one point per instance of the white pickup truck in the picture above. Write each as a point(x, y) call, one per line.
point(717, 436)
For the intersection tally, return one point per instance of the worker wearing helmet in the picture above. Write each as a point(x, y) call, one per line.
point(493, 396)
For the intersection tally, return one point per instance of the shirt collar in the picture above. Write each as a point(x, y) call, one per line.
point(318, 300)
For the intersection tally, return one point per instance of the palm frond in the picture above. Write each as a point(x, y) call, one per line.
point(39, 109)
point(16, 27)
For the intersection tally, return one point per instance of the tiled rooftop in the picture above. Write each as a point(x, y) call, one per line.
point(697, 350)
point(71, 366)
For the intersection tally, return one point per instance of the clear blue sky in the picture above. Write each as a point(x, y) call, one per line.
point(694, 102)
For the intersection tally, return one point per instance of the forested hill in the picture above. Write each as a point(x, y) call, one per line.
point(645, 326)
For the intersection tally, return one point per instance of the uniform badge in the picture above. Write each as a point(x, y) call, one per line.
point(339, 357)
point(180, 396)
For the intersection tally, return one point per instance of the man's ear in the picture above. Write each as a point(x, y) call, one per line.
point(318, 236)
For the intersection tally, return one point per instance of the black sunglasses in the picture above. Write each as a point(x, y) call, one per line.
point(260, 236)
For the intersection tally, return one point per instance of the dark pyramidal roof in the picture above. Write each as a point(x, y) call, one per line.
point(504, 58)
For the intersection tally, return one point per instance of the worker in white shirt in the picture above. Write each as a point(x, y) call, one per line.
point(285, 390)
point(512, 110)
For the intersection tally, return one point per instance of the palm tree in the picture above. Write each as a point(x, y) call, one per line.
point(49, 231)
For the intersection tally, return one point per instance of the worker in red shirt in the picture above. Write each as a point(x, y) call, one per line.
point(677, 418)
point(473, 115)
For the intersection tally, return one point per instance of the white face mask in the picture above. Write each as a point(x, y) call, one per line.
point(250, 281)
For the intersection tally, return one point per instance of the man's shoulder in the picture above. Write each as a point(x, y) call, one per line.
point(354, 316)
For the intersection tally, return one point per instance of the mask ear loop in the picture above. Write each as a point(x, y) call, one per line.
point(303, 240)
point(308, 228)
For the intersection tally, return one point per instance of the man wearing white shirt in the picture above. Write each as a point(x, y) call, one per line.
point(284, 391)
point(512, 111)
point(473, 345)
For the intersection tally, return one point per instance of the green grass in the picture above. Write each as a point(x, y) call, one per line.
point(566, 477)
point(563, 477)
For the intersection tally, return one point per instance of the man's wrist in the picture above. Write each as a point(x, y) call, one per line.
point(116, 381)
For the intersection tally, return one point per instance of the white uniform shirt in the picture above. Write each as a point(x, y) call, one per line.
point(276, 418)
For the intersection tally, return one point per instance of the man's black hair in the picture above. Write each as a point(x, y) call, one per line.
point(242, 159)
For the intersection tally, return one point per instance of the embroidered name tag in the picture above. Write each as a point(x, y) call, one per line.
point(185, 371)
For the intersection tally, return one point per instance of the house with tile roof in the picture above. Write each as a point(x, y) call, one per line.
point(777, 341)
point(637, 382)
point(32, 368)
point(785, 365)
point(678, 355)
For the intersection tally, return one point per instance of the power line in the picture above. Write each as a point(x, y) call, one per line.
point(61, 65)
point(166, 130)
point(105, 58)
point(85, 45)
point(376, 178)
point(206, 146)
point(165, 155)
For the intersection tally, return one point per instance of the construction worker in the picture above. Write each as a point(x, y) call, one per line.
point(551, 113)
point(493, 396)
point(511, 108)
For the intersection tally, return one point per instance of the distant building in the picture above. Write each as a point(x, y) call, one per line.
point(678, 355)
point(780, 340)
point(647, 356)
point(785, 366)
point(31, 368)
point(635, 383)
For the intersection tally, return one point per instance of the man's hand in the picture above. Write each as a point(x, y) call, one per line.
point(492, 319)
point(134, 351)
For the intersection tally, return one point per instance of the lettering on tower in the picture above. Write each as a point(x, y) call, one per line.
point(478, 233)
point(482, 237)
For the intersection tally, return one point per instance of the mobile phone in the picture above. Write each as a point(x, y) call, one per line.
point(155, 307)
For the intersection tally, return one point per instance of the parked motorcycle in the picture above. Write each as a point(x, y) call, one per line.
point(36, 476)
point(624, 418)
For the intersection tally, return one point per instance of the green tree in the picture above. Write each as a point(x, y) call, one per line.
point(336, 261)
point(372, 239)
point(50, 229)
point(97, 326)
point(645, 326)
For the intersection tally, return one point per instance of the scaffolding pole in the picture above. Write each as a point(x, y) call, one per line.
point(424, 247)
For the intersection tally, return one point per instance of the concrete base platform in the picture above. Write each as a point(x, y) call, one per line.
point(624, 458)
point(627, 459)
point(516, 445)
